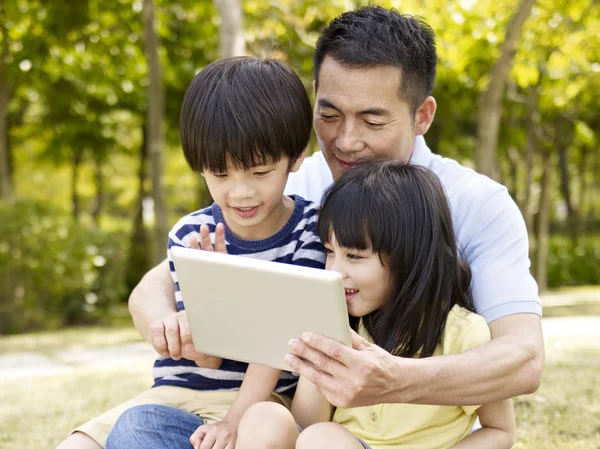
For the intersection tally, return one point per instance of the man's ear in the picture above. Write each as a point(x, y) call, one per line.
point(296, 165)
point(424, 115)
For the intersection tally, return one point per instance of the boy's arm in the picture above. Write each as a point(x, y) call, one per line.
point(309, 406)
point(259, 382)
point(498, 427)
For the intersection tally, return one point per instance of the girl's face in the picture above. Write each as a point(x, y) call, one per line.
point(367, 282)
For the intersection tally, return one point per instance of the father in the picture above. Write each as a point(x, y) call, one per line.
point(374, 74)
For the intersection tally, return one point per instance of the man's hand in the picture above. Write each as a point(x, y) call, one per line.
point(171, 337)
point(221, 435)
point(346, 377)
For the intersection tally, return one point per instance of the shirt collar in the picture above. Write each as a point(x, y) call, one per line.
point(421, 154)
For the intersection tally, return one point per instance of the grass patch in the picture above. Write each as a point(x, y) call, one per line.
point(41, 412)
point(75, 338)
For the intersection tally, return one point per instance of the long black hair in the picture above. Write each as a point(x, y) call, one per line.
point(401, 213)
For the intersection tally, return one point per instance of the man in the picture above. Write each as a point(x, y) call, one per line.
point(374, 75)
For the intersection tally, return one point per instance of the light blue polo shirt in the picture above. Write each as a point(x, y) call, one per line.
point(489, 228)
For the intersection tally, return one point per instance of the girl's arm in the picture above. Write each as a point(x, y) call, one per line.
point(309, 406)
point(498, 429)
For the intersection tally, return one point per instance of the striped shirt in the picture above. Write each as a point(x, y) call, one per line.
point(296, 243)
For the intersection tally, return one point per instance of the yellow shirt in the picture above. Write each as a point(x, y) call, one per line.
point(409, 426)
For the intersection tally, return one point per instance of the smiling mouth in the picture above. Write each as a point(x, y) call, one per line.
point(350, 292)
point(347, 165)
point(245, 212)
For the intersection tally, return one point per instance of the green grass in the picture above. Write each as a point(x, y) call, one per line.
point(39, 412)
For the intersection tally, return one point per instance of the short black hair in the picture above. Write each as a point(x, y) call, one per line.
point(252, 110)
point(374, 36)
point(401, 213)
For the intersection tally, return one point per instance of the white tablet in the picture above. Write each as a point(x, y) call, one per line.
point(248, 309)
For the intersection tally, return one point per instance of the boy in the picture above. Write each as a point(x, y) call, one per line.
point(245, 124)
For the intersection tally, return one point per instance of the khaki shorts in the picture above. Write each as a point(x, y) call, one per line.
point(211, 406)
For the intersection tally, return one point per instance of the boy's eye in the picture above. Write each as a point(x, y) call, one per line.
point(220, 175)
point(262, 173)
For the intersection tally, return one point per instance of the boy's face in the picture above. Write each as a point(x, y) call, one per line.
point(359, 113)
point(252, 201)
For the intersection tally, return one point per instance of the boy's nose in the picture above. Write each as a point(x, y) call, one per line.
point(242, 191)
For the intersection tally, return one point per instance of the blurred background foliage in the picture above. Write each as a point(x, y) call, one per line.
point(79, 173)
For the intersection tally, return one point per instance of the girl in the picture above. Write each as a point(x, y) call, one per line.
point(388, 231)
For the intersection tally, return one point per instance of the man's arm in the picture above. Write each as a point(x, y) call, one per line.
point(509, 365)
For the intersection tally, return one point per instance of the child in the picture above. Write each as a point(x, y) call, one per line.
point(388, 231)
point(245, 124)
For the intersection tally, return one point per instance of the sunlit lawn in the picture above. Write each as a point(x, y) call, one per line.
point(39, 412)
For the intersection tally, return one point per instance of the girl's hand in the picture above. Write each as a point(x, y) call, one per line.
point(205, 243)
point(220, 435)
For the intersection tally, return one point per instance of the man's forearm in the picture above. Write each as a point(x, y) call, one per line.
point(152, 299)
point(509, 365)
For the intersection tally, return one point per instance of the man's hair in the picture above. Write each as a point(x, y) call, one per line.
point(374, 36)
point(249, 109)
point(401, 213)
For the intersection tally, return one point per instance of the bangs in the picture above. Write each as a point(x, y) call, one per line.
point(357, 217)
point(244, 111)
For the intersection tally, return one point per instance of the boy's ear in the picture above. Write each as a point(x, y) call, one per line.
point(296, 165)
point(314, 87)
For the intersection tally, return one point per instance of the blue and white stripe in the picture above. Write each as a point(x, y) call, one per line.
point(296, 243)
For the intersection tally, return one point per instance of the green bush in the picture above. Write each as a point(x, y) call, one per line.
point(54, 272)
point(574, 263)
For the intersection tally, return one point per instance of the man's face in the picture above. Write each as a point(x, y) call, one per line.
point(358, 113)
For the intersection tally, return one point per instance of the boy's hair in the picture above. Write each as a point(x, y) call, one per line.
point(401, 212)
point(374, 36)
point(252, 110)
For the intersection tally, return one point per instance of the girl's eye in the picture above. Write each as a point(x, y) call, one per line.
point(328, 251)
point(354, 257)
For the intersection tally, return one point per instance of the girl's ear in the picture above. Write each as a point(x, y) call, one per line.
point(296, 165)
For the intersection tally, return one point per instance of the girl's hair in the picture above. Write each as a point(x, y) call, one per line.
point(252, 110)
point(401, 213)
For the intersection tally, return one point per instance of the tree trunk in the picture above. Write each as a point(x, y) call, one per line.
point(156, 137)
point(231, 31)
point(564, 174)
point(543, 231)
point(5, 179)
point(99, 200)
point(490, 102)
point(584, 189)
point(138, 261)
point(533, 120)
point(514, 161)
point(77, 158)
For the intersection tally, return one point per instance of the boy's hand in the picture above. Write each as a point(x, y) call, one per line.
point(171, 337)
point(205, 243)
point(220, 435)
